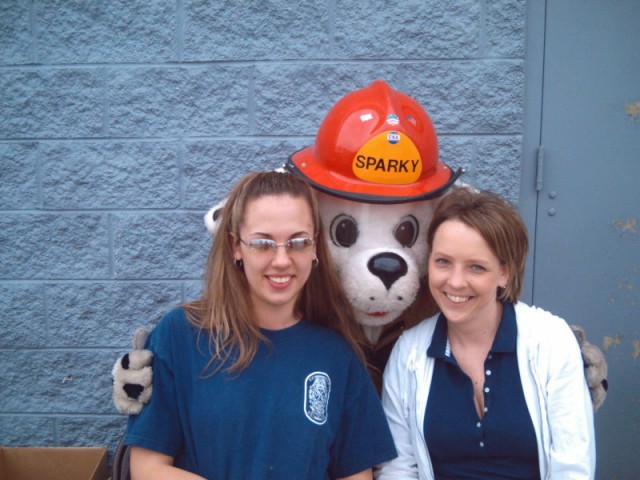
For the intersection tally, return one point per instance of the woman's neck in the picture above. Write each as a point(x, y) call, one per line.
point(276, 320)
point(482, 331)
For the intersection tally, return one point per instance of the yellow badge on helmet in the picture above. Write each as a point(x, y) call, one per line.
point(389, 158)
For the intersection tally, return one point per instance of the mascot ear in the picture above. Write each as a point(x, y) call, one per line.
point(212, 216)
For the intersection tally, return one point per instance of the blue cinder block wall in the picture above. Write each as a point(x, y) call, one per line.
point(122, 122)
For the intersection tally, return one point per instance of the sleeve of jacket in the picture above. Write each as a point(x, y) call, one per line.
point(395, 400)
point(569, 408)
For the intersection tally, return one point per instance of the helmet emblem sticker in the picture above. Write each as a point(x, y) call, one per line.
point(317, 389)
point(393, 119)
point(393, 137)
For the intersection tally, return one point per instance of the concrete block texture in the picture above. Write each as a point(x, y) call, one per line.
point(378, 29)
point(55, 381)
point(159, 245)
point(16, 32)
point(192, 100)
point(110, 175)
point(19, 187)
point(104, 314)
point(46, 103)
point(54, 245)
point(245, 30)
point(27, 430)
point(23, 319)
point(122, 123)
point(105, 32)
point(210, 166)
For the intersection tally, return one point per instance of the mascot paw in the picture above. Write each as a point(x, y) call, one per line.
point(132, 377)
point(595, 368)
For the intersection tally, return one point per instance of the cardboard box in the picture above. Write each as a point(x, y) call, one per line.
point(53, 463)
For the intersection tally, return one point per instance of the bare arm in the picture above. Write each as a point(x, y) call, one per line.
point(363, 475)
point(147, 464)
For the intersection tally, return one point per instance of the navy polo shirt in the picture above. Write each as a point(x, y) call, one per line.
point(462, 445)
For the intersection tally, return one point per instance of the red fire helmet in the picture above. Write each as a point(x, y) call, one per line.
point(376, 145)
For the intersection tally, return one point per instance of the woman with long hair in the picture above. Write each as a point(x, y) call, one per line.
point(263, 377)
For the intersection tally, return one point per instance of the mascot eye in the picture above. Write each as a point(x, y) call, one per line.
point(406, 232)
point(344, 230)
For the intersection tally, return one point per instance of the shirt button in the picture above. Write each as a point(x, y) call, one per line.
point(490, 356)
point(486, 389)
point(478, 424)
point(488, 372)
point(481, 444)
point(486, 409)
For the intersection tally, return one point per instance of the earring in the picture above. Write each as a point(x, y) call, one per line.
point(315, 262)
point(239, 263)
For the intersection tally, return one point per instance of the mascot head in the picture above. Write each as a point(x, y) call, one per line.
point(375, 165)
point(375, 162)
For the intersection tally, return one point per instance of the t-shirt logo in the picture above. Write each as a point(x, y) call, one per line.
point(317, 388)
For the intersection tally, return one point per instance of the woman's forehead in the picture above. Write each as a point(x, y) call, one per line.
point(278, 213)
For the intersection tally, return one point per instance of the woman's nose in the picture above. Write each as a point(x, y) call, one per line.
point(457, 278)
point(281, 256)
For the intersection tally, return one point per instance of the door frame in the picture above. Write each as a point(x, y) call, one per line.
point(532, 131)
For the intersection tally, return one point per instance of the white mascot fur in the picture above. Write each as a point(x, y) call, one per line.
point(375, 165)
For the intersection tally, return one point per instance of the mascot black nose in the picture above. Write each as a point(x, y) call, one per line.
point(388, 267)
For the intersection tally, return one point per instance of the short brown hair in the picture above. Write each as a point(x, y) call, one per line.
point(499, 224)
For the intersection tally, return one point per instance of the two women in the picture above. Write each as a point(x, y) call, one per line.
point(263, 377)
point(490, 387)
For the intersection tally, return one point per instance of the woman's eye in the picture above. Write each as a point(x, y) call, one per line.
point(261, 244)
point(478, 268)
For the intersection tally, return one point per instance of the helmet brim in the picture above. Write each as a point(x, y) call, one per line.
point(304, 164)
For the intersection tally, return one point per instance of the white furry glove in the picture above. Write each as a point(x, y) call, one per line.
point(132, 376)
point(595, 368)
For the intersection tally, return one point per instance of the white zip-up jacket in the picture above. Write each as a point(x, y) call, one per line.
point(556, 393)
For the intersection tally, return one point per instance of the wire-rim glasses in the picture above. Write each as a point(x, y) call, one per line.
point(267, 245)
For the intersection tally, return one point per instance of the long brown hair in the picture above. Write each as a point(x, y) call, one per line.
point(225, 308)
point(498, 223)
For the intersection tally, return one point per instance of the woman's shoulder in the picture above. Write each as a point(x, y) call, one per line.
point(171, 326)
point(536, 322)
point(327, 336)
point(325, 339)
point(536, 316)
point(175, 318)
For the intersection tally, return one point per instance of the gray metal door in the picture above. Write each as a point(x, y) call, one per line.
point(586, 265)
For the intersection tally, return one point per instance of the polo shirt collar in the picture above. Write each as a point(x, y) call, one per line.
point(439, 347)
point(505, 340)
point(507, 334)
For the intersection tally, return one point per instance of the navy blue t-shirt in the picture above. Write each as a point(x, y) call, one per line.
point(502, 444)
point(305, 408)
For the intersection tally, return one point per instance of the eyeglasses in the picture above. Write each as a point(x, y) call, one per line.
point(293, 245)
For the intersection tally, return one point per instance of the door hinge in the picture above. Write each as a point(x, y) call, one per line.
point(540, 169)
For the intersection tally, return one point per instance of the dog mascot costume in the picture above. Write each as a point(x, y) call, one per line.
point(375, 166)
